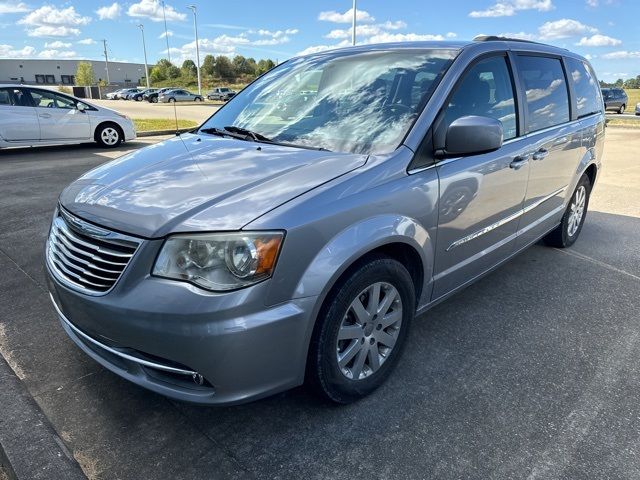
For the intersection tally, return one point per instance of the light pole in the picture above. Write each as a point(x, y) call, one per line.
point(353, 24)
point(195, 26)
point(106, 60)
point(144, 48)
point(166, 33)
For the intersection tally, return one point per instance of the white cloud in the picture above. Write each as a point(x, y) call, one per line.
point(346, 17)
point(6, 7)
point(168, 33)
point(451, 35)
point(109, 12)
point(403, 37)
point(7, 51)
point(86, 41)
point(599, 41)
point(222, 45)
point(508, 8)
point(152, 9)
point(50, 31)
point(53, 53)
point(592, 3)
point(564, 28)
point(519, 35)
point(321, 48)
point(277, 37)
point(57, 44)
point(621, 55)
point(48, 21)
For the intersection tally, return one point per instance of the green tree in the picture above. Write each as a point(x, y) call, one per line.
point(224, 68)
point(619, 82)
point(85, 75)
point(208, 65)
point(252, 66)
point(189, 68)
point(265, 66)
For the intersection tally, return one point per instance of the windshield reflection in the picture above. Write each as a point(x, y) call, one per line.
point(357, 103)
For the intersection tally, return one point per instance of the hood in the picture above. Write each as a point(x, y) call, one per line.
point(199, 183)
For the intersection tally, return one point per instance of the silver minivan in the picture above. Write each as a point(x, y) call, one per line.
point(260, 252)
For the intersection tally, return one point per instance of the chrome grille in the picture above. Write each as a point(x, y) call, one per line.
point(86, 257)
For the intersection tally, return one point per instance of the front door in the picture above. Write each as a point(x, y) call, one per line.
point(18, 119)
point(59, 118)
point(481, 196)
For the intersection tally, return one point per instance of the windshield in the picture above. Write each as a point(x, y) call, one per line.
point(345, 102)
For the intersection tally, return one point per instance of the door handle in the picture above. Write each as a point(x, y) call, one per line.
point(540, 154)
point(519, 162)
point(45, 115)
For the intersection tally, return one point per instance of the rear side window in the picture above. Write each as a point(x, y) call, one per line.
point(547, 97)
point(5, 97)
point(14, 97)
point(585, 86)
point(486, 90)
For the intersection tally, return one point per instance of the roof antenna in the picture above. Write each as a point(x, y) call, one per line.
point(175, 116)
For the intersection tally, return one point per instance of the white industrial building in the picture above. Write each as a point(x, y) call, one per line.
point(62, 72)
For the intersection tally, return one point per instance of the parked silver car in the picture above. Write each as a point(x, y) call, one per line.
point(259, 252)
point(32, 116)
point(179, 95)
point(221, 93)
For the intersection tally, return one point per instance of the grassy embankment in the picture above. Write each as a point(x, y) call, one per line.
point(148, 124)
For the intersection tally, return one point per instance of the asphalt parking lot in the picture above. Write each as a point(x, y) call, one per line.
point(532, 372)
point(198, 112)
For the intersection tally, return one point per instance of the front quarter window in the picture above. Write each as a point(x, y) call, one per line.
point(358, 103)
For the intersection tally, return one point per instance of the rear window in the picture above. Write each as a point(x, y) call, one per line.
point(546, 91)
point(585, 86)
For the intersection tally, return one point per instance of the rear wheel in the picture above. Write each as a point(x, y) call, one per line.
point(361, 332)
point(622, 108)
point(197, 99)
point(570, 227)
point(109, 136)
point(154, 100)
point(172, 100)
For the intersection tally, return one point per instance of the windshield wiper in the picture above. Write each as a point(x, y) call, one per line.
point(249, 135)
point(255, 136)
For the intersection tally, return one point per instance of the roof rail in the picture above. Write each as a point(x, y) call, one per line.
point(496, 38)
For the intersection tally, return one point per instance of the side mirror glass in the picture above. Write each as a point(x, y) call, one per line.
point(81, 107)
point(472, 135)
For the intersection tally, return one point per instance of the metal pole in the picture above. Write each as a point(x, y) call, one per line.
point(106, 60)
point(353, 24)
point(166, 33)
point(195, 26)
point(144, 48)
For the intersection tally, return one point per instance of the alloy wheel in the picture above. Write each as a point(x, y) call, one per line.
point(576, 210)
point(109, 136)
point(369, 330)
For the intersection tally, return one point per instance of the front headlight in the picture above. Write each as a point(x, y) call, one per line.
point(219, 261)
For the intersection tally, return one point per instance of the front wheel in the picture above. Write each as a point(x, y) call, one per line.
point(361, 331)
point(197, 99)
point(109, 136)
point(154, 100)
point(622, 109)
point(172, 100)
point(570, 227)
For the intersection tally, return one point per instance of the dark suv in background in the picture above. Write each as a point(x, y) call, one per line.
point(615, 99)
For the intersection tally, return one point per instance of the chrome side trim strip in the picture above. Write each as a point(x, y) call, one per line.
point(504, 221)
point(140, 361)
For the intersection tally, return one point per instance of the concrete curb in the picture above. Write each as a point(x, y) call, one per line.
point(30, 449)
point(157, 133)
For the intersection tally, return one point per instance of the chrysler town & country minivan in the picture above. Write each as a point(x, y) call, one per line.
point(258, 252)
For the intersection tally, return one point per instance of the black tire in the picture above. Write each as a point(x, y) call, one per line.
point(197, 99)
point(324, 374)
point(109, 135)
point(561, 236)
point(154, 100)
point(172, 100)
point(622, 109)
point(138, 98)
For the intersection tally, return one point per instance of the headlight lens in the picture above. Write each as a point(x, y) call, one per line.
point(219, 262)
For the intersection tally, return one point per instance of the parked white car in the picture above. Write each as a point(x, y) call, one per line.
point(31, 116)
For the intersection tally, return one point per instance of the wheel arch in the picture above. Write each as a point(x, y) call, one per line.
point(103, 124)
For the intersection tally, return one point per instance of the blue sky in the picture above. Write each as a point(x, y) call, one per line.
point(605, 31)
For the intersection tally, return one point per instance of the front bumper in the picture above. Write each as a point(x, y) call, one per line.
point(164, 335)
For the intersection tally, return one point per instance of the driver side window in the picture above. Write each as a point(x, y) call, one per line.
point(486, 90)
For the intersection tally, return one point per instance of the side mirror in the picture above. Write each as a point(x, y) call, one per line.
point(472, 135)
point(81, 107)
